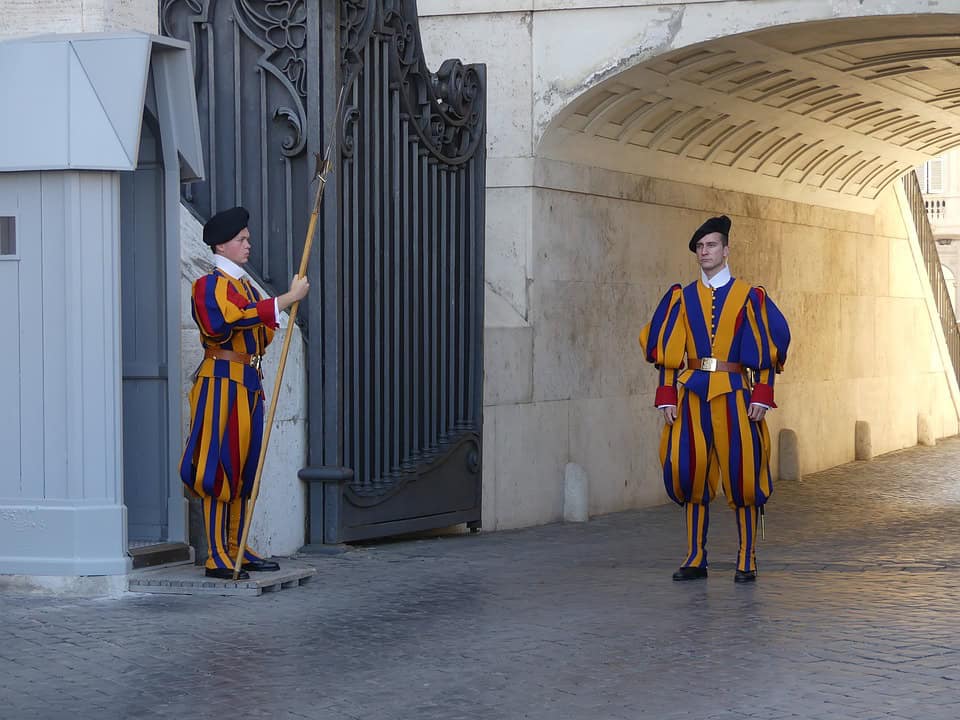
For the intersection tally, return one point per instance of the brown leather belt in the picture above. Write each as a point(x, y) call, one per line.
point(710, 364)
point(242, 358)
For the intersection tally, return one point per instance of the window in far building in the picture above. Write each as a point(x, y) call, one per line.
point(8, 236)
point(930, 175)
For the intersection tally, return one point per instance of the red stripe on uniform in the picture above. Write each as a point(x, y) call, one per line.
point(692, 447)
point(217, 482)
point(241, 301)
point(233, 439)
point(200, 303)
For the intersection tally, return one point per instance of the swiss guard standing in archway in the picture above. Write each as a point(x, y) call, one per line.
point(718, 343)
point(226, 403)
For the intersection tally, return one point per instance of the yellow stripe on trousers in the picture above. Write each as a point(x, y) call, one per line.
point(747, 530)
point(216, 518)
point(223, 523)
point(697, 519)
point(695, 476)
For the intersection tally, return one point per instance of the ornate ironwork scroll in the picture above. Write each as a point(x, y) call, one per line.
point(250, 61)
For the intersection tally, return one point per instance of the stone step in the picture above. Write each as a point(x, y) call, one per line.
point(167, 553)
point(190, 580)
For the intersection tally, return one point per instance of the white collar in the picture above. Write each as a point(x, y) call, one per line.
point(718, 280)
point(229, 267)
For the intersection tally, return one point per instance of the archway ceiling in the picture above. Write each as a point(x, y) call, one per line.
point(836, 109)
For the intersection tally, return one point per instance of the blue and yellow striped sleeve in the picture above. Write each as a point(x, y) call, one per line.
point(764, 343)
point(663, 341)
point(219, 309)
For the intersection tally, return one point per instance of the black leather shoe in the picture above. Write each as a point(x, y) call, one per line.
point(744, 576)
point(690, 573)
point(260, 566)
point(225, 574)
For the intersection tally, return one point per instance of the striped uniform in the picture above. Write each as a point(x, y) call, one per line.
point(712, 440)
point(226, 408)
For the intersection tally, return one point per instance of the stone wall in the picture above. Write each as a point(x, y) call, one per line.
point(29, 17)
point(578, 256)
point(571, 385)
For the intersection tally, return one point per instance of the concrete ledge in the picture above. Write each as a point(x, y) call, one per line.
point(65, 585)
point(63, 539)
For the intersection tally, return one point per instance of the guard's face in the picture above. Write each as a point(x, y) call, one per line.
point(711, 252)
point(237, 249)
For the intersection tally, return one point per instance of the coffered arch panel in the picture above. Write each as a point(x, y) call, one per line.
point(827, 112)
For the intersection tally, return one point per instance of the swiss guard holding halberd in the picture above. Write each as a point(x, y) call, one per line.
point(718, 343)
point(226, 403)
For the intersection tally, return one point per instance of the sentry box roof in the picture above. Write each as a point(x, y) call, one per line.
point(75, 102)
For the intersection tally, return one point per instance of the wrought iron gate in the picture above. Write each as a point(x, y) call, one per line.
point(395, 325)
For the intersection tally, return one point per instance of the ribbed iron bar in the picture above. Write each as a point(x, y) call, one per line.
point(407, 302)
point(288, 214)
point(428, 299)
point(443, 306)
point(356, 459)
point(211, 119)
point(472, 371)
point(416, 300)
point(348, 216)
point(396, 272)
point(264, 187)
point(237, 138)
point(462, 378)
point(435, 271)
point(931, 257)
point(453, 307)
point(476, 352)
point(375, 178)
point(369, 219)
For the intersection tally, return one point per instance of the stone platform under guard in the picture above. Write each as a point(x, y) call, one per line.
point(190, 580)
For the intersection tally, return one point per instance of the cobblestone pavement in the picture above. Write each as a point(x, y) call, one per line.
point(854, 616)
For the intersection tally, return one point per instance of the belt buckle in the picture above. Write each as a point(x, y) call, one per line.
point(709, 364)
point(255, 361)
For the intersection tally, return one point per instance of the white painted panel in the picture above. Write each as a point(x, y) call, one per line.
point(98, 341)
point(10, 482)
point(22, 468)
point(56, 328)
point(93, 140)
point(81, 336)
point(76, 316)
point(63, 539)
point(34, 79)
point(116, 71)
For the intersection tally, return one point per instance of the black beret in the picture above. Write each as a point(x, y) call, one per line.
point(715, 224)
point(225, 225)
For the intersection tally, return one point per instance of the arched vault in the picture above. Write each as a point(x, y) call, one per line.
point(826, 112)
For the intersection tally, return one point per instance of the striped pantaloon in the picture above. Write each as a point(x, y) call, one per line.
point(712, 443)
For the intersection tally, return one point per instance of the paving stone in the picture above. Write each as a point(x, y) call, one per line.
point(853, 617)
